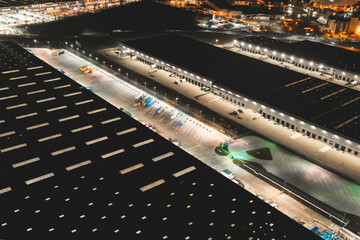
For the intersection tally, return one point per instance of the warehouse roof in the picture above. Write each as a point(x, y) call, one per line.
point(74, 166)
point(326, 54)
point(323, 103)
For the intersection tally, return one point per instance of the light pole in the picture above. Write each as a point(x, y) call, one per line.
point(200, 112)
point(48, 44)
point(154, 89)
point(187, 108)
point(176, 100)
point(213, 121)
point(35, 41)
point(145, 84)
point(284, 186)
point(110, 66)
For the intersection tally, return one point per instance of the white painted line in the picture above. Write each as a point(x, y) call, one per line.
point(8, 97)
point(4, 88)
point(57, 108)
point(81, 129)
point(13, 147)
point(83, 102)
point(62, 86)
point(43, 73)
point(61, 151)
point(96, 140)
point(26, 162)
point(213, 100)
point(40, 178)
point(16, 106)
point(132, 168)
point(15, 78)
point(126, 131)
point(143, 143)
point(161, 157)
point(34, 92)
point(45, 100)
point(68, 118)
point(96, 111)
point(5, 190)
point(32, 68)
point(37, 126)
point(152, 185)
point(72, 94)
point(324, 149)
point(49, 137)
point(110, 120)
point(11, 71)
point(26, 84)
point(182, 172)
point(110, 154)
point(27, 115)
point(52, 79)
point(296, 135)
point(7, 134)
point(72, 167)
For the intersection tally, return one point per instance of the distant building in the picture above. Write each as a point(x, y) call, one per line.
point(354, 25)
point(334, 3)
point(335, 25)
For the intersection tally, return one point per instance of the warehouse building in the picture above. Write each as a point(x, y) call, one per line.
point(316, 108)
point(75, 167)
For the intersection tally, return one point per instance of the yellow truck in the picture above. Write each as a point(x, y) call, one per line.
point(83, 68)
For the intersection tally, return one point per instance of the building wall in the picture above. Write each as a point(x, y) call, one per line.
point(353, 25)
point(265, 111)
point(332, 25)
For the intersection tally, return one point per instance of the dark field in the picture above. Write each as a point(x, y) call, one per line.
point(142, 16)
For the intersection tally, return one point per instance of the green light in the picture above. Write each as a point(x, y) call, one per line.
point(240, 155)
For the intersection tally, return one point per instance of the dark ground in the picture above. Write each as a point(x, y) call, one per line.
point(139, 16)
